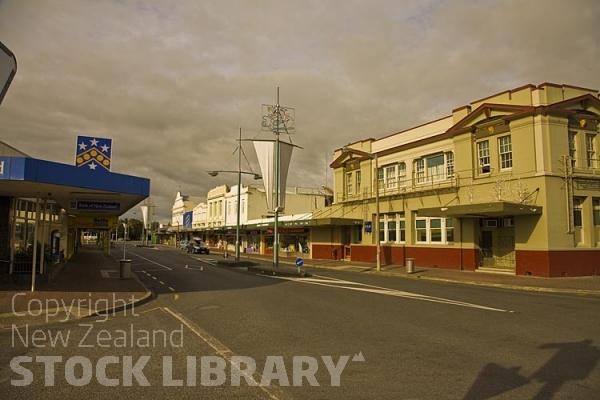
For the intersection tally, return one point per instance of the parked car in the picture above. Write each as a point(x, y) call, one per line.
point(198, 246)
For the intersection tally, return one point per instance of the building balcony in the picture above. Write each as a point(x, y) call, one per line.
point(415, 186)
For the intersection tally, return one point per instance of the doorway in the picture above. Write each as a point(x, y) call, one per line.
point(497, 246)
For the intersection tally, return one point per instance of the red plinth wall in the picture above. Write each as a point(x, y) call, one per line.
point(327, 251)
point(549, 264)
point(553, 264)
point(446, 257)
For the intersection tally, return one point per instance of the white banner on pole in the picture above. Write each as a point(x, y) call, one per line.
point(145, 216)
point(265, 152)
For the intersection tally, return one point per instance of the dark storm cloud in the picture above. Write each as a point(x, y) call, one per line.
point(171, 82)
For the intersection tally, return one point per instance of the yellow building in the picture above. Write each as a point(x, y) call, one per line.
point(509, 183)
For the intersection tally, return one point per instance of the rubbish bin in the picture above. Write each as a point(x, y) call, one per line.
point(410, 265)
point(125, 269)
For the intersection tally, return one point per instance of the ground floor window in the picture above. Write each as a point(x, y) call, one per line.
point(392, 228)
point(434, 230)
point(596, 211)
point(577, 212)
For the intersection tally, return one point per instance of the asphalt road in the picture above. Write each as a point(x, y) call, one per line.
point(388, 337)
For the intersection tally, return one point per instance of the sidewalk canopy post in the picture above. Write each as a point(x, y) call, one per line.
point(35, 238)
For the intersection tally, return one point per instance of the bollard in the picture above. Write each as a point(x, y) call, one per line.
point(410, 265)
point(125, 269)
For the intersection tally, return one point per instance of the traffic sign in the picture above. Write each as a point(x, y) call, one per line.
point(299, 262)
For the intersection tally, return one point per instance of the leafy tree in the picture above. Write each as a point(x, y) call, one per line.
point(134, 228)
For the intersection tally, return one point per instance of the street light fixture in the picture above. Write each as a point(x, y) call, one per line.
point(371, 156)
point(239, 172)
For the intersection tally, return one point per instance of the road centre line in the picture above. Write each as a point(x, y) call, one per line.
point(195, 268)
point(222, 350)
point(152, 270)
point(362, 287)
point(151, 261)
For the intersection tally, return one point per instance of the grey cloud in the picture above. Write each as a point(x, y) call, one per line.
point(171, 82)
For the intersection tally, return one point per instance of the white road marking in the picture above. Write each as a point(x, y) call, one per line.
point(106, 273)
point(153, 277)
point(194, 267)
point(161, 282)
point(171, 289)
point(362, 287)
point(208, 261)
point(153, 269)
point(151, 261)
point(222, 350)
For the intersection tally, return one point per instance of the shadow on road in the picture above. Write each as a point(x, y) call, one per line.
point(571, 362)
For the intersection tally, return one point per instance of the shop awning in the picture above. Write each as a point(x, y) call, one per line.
point(77, 190)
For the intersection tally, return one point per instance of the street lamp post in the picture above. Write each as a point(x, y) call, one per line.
point(374, 157)
point(239, 173)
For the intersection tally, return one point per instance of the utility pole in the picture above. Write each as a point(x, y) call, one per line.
point(277, 173)
point(239, 197)
point(239, 173)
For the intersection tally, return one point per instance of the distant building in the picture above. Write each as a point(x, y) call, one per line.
point(215, 221)
point(183, 204)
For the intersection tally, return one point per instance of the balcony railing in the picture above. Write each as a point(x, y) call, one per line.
point(397, 187)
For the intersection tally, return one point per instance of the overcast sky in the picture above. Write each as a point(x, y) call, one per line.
point(171, 82)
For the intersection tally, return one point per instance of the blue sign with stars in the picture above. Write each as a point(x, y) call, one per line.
point(93, 153)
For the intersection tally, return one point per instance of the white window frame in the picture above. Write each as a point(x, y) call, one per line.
point(420, 170)
point(449, 164)
point(401, 174)
point(483, 157)
point(578, 211)
point(357, 178)
point(445, 225)
point(590, 150)
point(596, 211)
point(390, 173)
point(505, 152)
point(348, 183)
point(572, 143)
point(399, 230)
point(423, 172)
point(388, 176)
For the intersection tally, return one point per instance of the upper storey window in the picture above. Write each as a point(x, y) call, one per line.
point(505, 152)
point(483, 154)
point(392, 176)
point(434, 167)
point(590, 150)
point(572, 147)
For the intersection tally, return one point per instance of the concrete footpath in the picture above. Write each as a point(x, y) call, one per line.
point(578, 285)
point(89, 284)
